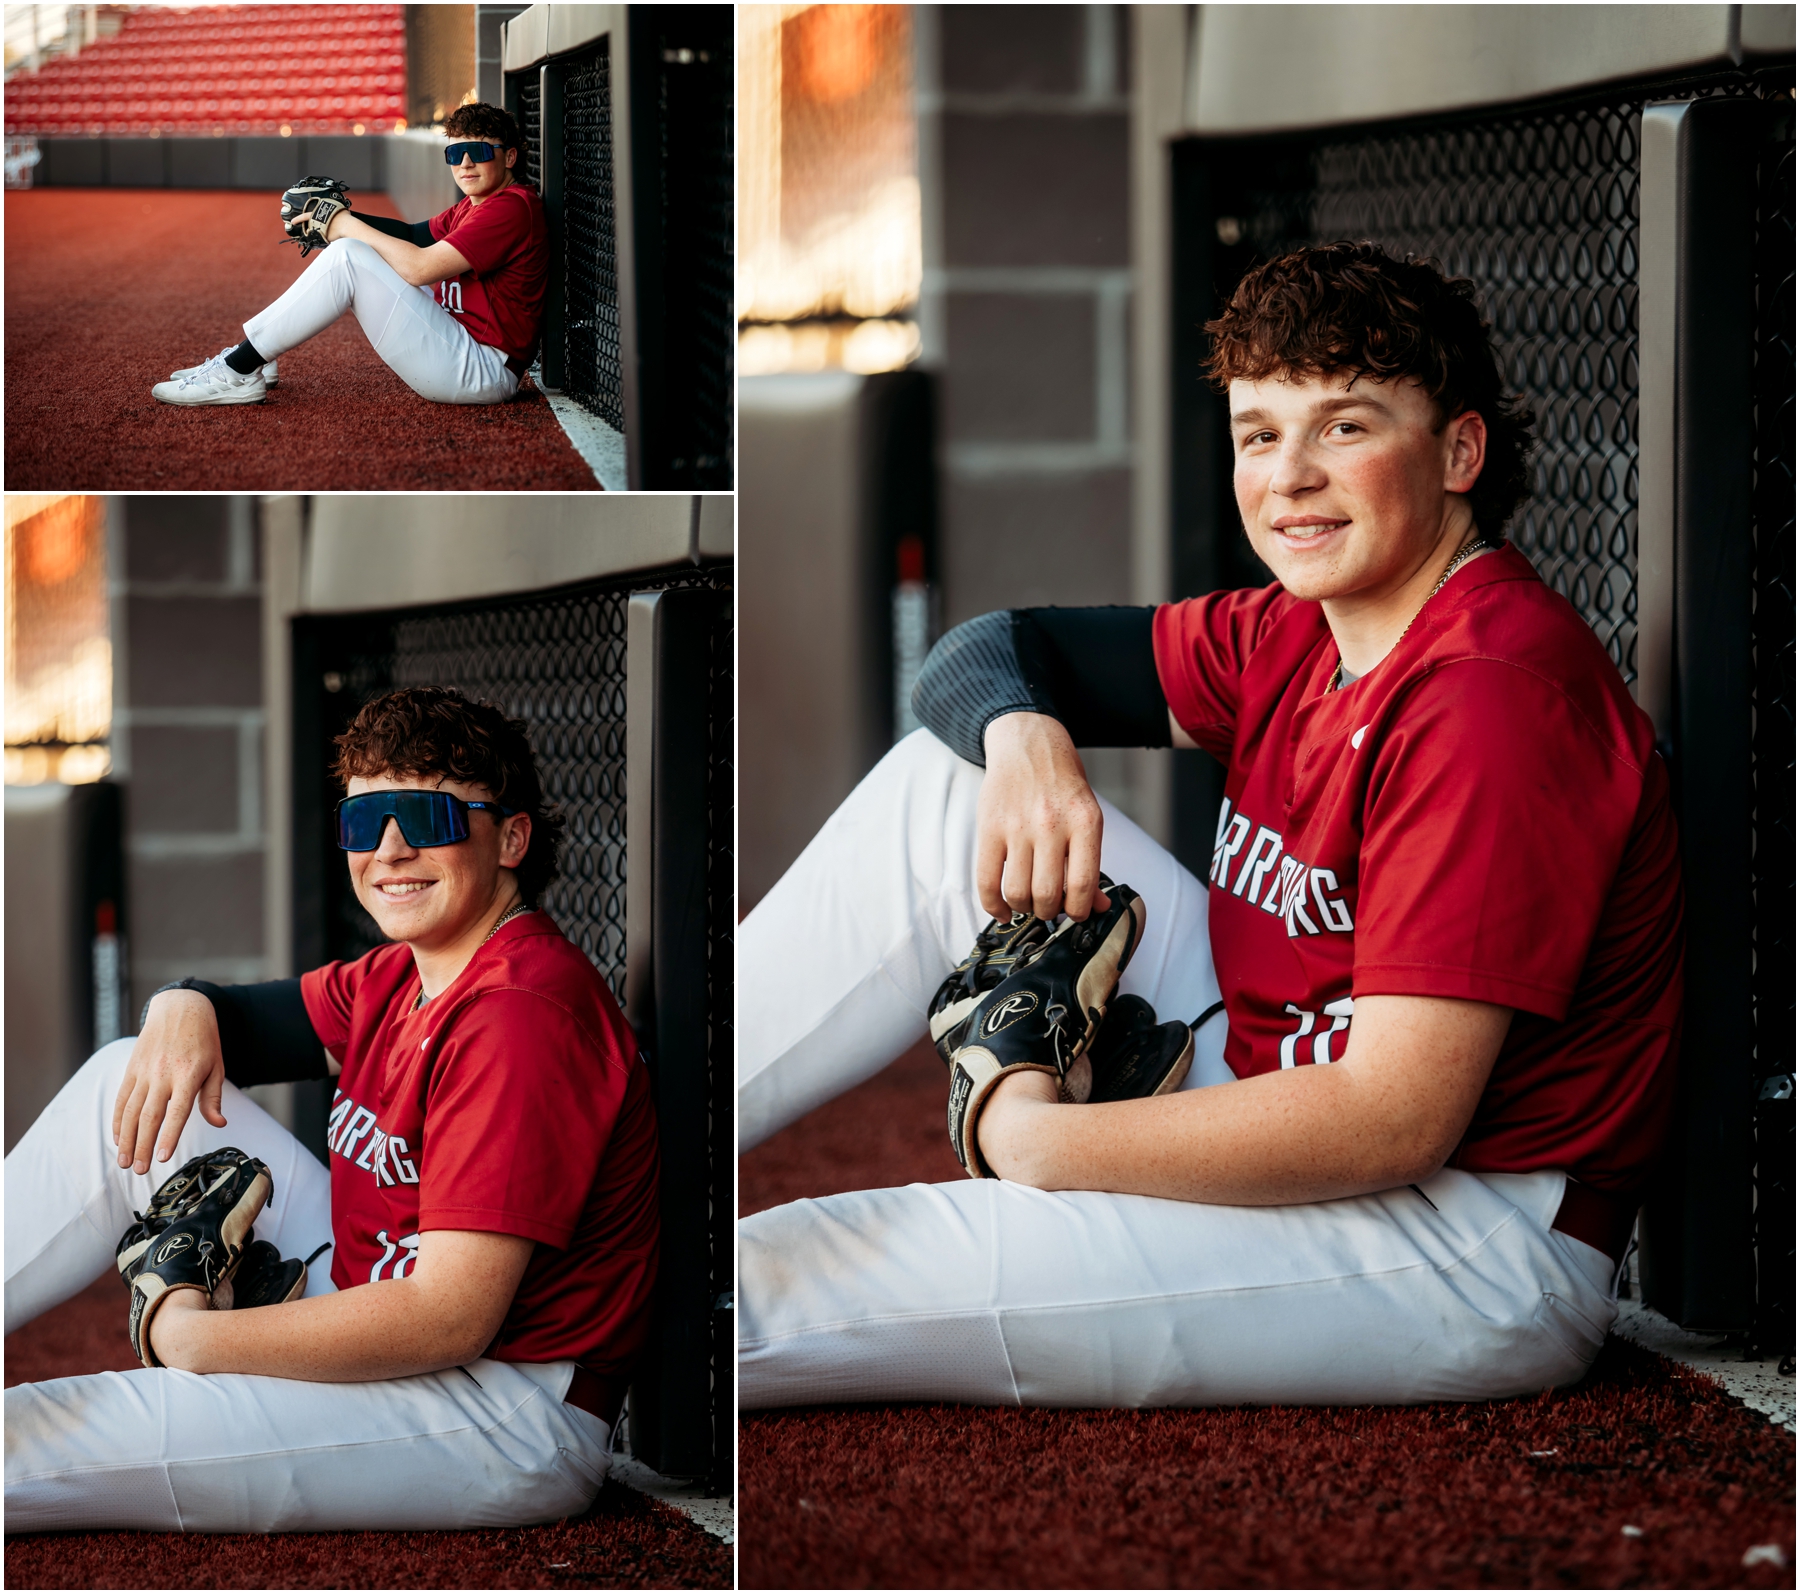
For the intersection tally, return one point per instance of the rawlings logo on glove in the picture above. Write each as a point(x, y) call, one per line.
point(1032, 997)
point(196, 1235)
point(307, 210)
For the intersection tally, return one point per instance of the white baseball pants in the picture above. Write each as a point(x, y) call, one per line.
point(992, 1293)
point(422, 342)
point(492, 1445)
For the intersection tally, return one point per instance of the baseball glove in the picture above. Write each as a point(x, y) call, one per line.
point(1041, 1016)
point(997, 952)
point(192, 1236)
point(307, 209)
point(1133, 1056)
point(263, 1278)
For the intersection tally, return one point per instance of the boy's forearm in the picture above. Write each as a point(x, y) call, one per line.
point(1391, 1112)
point(391, 1329)
point(1273, 1140)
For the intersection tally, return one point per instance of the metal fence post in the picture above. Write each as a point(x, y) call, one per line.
point(675, 1400)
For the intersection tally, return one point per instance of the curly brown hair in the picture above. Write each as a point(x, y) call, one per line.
point(489, 123)
point(435, 730)
point(1352, 309)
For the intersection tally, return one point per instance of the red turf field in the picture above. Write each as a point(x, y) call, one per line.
point(625, 1541)
point(109, 290)
point(1425, 1497)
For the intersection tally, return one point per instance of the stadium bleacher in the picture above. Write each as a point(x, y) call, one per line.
point(225, 69)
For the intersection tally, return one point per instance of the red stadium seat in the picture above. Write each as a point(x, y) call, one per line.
point(214, 69)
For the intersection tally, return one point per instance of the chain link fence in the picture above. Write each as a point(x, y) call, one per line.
point(595, 375)
point(556, 662)
point(531, 125)
point(1541, 212)
point(694, 162)
point(828, 188)
point(1540, 209)
point(640, 161)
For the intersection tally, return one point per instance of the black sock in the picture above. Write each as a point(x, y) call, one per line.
point(244, 359)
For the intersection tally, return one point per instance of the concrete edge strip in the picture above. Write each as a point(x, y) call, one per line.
point(716, 1513)
point(598, 444)
point(1759, 1385)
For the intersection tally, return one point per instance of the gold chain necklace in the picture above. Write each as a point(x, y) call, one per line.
point(1468, 550)
point(511, 913)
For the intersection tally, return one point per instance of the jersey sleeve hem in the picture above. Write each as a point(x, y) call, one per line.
point(1469, 985)
point(333, 1036)
point(494, 1220)
point(1178, 687)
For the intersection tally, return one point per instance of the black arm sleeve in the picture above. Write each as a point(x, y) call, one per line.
point(1093, 669)
point(264, 1032)
point(414, 232)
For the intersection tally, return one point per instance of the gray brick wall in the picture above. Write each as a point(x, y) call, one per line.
point(1025, 164)
point(187, 737)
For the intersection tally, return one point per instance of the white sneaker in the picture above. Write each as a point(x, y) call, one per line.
point(268, 370)
point(212, 383)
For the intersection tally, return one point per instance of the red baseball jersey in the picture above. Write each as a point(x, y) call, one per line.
point(506, 239)
point(1483, 815)
point(515, 1102)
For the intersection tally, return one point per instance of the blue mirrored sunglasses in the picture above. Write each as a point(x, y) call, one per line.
point(453, 153)
point(425, 818)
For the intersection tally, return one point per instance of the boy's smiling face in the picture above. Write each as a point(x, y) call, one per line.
point(429, 896)
point(1346, 485)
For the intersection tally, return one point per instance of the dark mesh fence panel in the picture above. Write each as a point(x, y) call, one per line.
point(561, 668)
point(557, 663)
point(531, 124)
point(1541, 211)
point(592, 283)
point(694, 126)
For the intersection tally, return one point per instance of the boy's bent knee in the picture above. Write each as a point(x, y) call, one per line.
point(921, 749)
point(108, 1064)
point(350, 252)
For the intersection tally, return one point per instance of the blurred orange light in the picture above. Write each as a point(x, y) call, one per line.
point(838, 50)
point(828, 195)
point(54, 543)
point(58, 653)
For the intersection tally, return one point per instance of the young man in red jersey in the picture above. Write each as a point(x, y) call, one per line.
point(1436, 967)
point(491, 1198)
point(454, 304)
